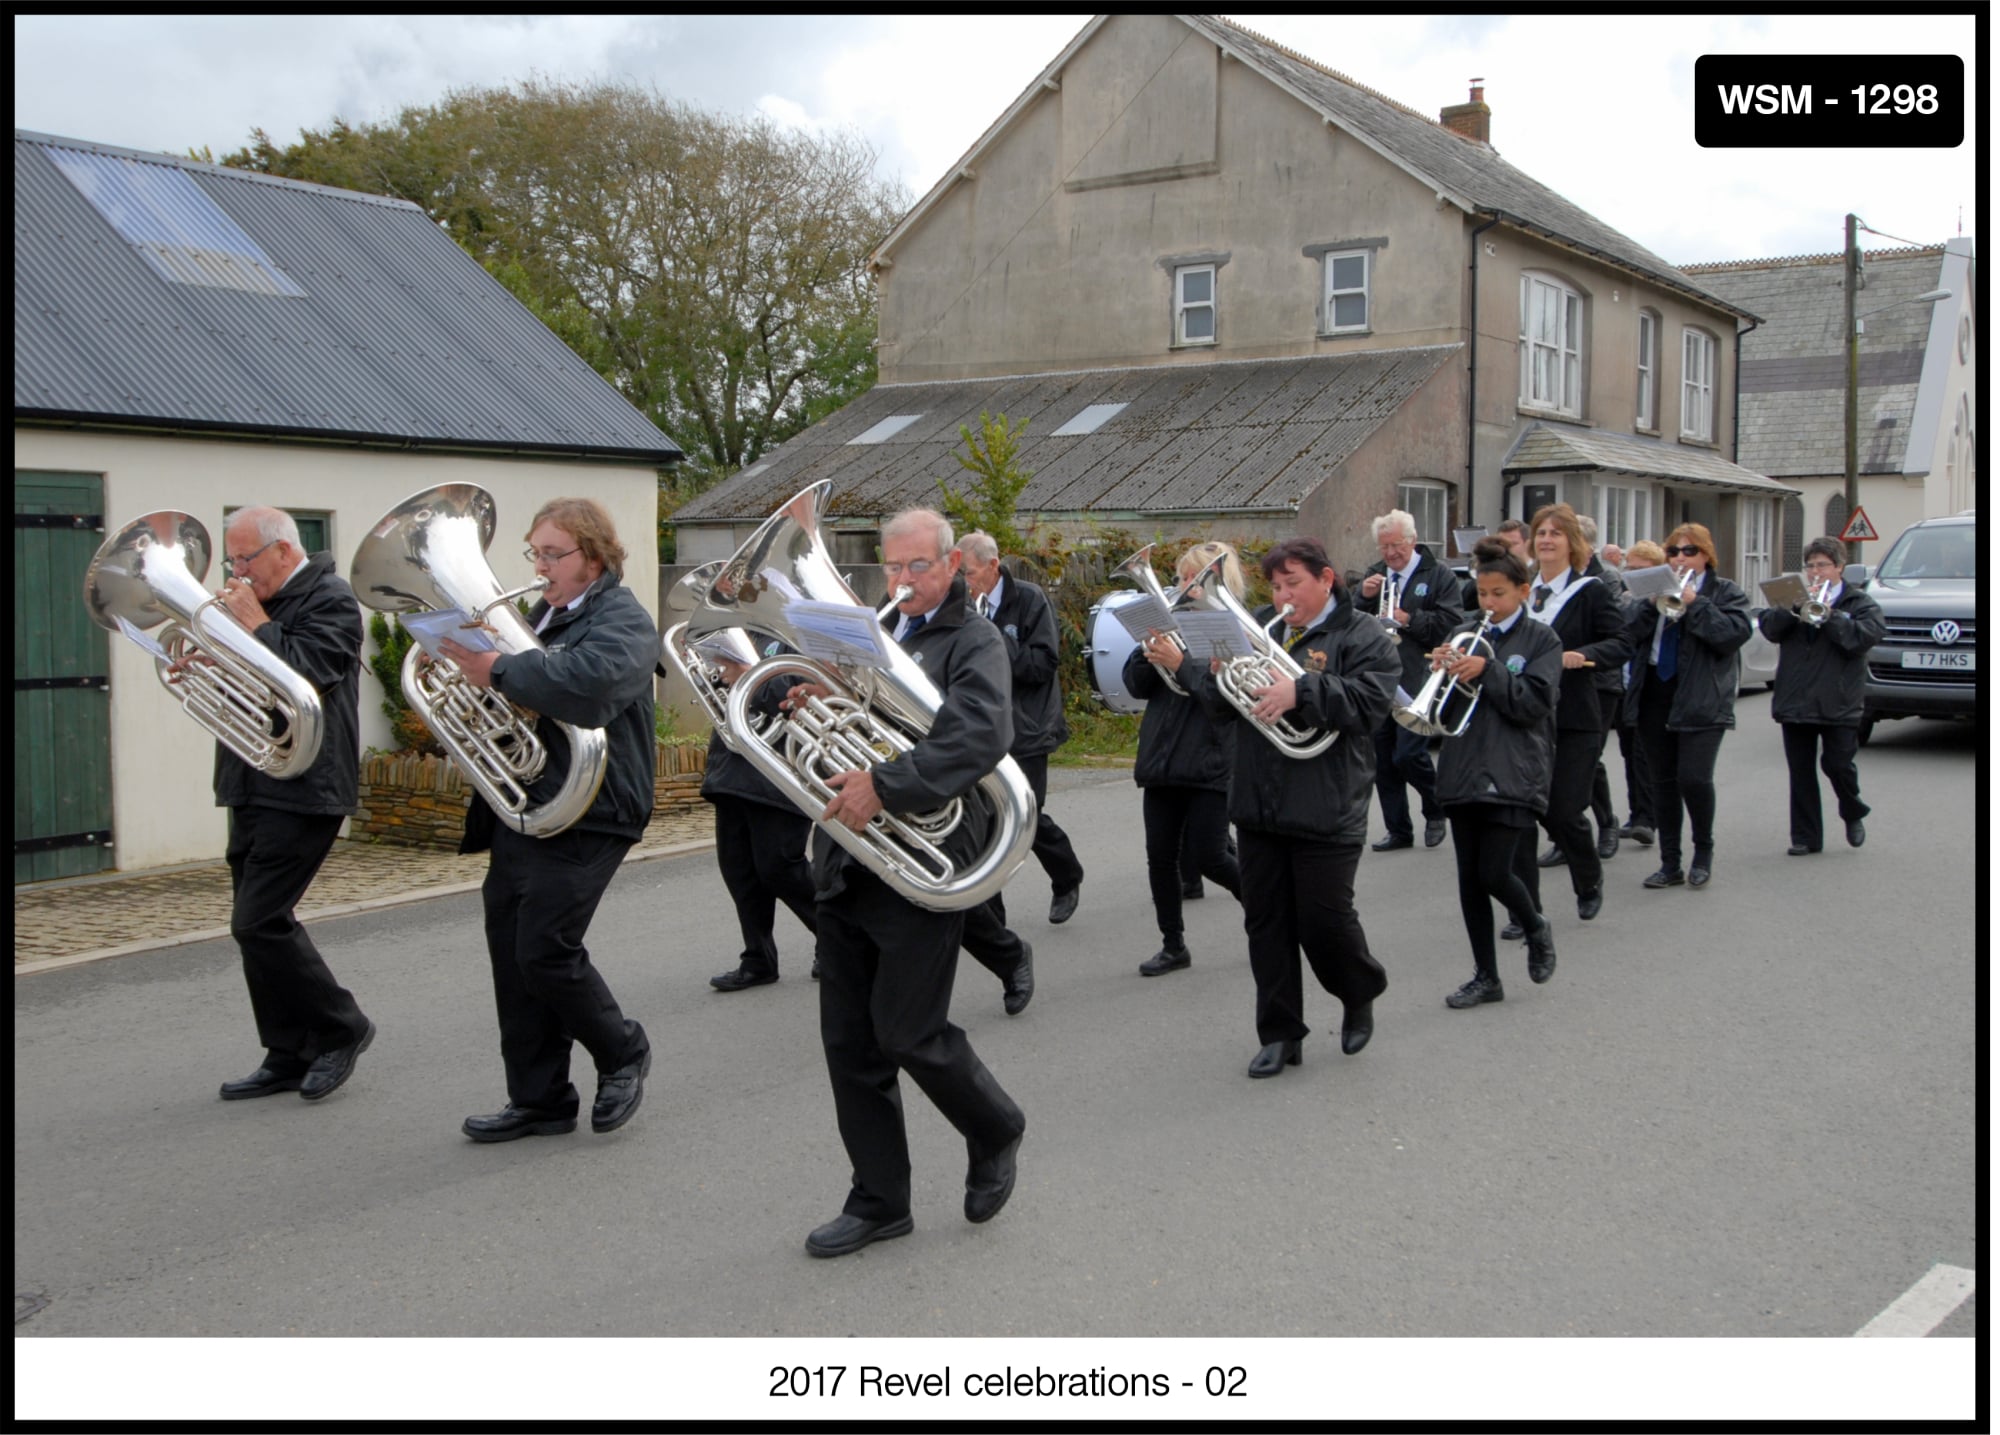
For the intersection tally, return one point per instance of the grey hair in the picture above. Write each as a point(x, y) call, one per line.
point(1397, 519)
point(921, 519)
point(1589, 527)
point(271, 524)
point(979, 548)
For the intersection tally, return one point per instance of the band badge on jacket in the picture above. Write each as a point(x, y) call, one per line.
point(1422, 589)
point(1515, 662)
point(1013, 631)
point(1315, 660)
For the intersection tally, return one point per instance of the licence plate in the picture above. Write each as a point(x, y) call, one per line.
point(1963, 662)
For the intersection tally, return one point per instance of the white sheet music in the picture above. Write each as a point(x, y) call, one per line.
point(1144, 613)
point(432, 628)
point(1651, 582)
point(1213, 635)
point(839, 633)
point(141, 637)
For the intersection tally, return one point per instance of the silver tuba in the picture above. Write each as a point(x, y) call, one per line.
point(1238, 678)
point(1443, 707)
point(254, 702)
point(429, 552)
point(1816, 610)
point(868, 716)
point(702, 675)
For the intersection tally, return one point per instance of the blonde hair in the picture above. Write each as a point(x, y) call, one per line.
point(588, 526)
point(1645, 551)
point(1203, 554)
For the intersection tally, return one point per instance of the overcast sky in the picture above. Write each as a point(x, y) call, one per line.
point(1599, 109)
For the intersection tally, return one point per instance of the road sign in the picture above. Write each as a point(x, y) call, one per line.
point(1859, 529)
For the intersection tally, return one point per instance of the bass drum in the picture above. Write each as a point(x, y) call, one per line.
point(1110, 646)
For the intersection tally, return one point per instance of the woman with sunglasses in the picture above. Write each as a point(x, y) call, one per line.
point(1493, 778)
point(1585, 615)
point(1688, 666)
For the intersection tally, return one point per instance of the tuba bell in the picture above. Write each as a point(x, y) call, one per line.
point(429, 552)
point(1443, 707)
point(250, 699)
point(693, 663)
point(869, 716)
point(1239, 677)
point(1139, 568)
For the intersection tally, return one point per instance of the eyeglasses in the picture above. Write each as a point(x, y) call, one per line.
point(230, 565)
point(548, 556)
point(916, 568)
point(1686, 550)
point(1822, 565)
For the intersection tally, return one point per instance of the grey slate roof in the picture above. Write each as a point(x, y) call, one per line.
point(400, 335)
point(1793, 420)
point(1255, 436)
point(1543, 447)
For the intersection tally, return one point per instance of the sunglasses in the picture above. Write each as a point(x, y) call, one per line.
point(1686, 550)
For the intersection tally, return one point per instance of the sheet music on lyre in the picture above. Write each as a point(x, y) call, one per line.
point(1144, 614)
point(838, 633)
point(1213, 635)
point(431, 628)
point(143, 638)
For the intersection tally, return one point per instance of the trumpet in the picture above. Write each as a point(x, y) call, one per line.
point(1388, 598)
point(1815, 610)
point(1674, 604)
point(1239, 678)
point(1444, 706)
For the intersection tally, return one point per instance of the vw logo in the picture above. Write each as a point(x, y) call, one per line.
point(1945, 633)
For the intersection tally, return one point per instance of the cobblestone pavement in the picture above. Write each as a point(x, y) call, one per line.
point(57, 923)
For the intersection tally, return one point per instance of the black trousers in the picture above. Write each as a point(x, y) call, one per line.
point(1187, 835)
point(884, 995)
point(1299, 895)
point(1608, 704)
point(1683, 771)
point(1638, 776)
point(761, 850)
point(300, 1009)
point(1052, 845)
point(540, 894)
point(1567, 820)
point(1493, 845)
point(1834, 747)
point(1403, 758)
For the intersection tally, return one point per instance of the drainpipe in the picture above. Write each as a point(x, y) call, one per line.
point(1736, 398)
point(1472, 374)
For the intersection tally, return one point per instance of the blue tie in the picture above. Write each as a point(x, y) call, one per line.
point(1670, 652)
point(916, 626)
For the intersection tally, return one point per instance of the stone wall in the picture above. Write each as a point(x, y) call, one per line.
point(408, 800)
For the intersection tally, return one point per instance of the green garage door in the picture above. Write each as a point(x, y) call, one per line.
point(62, 694)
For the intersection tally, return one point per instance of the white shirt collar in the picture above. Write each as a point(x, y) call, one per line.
point(305, 561)
point(1404, 575)
point(903, 628)
point(1321, 616)
point(1507, 626)
point(999, 591)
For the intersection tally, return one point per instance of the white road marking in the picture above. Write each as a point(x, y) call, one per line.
point(1923, 1307)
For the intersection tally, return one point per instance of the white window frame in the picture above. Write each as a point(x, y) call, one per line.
point(1551, 352)
point(1414, 496)
point(1649, 348)
point(1624, 513)
point(1182, 307)
point(1698, 356)
point(1759, 526)
point(1328, 294)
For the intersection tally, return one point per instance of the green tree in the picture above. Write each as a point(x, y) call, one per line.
point(986, 503)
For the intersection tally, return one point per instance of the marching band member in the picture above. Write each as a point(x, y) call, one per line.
point(1183, 772)
point(1301, 822)
point(1610, 696)
point(1426, 608)
point(886, 965)
point(1638, 776)
point(1494, 778)
point(1687, 699)
point(1822, 671)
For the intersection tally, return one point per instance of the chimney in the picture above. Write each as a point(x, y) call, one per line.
point(1473, 119)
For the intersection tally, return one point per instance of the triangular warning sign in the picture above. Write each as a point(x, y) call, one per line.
point(1859, 529)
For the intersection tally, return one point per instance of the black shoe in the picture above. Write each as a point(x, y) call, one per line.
point(1512, 932)
point(1433, 831)
point(1063, 907)
point(1590, 903)
point(619, 1094)
point(1542, 952)
point(331, 1068)
point(1641, 834)
point(1273, 1059)
point(741, 977)
point(844, 1235)
point(815, 970)
point(1473, 993)
point(1019, 989)
point(1166, 959)
point(1799, 849)
point(1856, 833)
point(517, 1121)
point(262, 1082)
point(1394, 842)
point(1357, 1024)
point(1666, 877)
point(1552, 858)
point(1607, 843)
point(1698, 872)
point(1193, 892)
point(989, 1182)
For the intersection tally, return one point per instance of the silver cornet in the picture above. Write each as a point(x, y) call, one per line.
point(1675, 604)
point(1388, 598)
point(1816, 610)
point(1444, 706)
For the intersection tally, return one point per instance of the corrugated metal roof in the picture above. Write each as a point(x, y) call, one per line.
point(1542, 447)
point(1254, 435)
point(399, 335)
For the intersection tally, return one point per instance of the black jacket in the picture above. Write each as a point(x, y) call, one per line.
point(1592, 622)
point(595, 668)
point(1180, 745)
point(1507, 754)
point(1713, 631)
point(1823, 671)
point(966, 659)
point(1610, 678)
point(1431, 598)
point(315, 626)
point(1348, 686)
point(730, 774)
point(1027, 620)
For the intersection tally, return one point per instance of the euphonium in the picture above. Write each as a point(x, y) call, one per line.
point(1675, 604)
point(1444, 705)
point(1816, 610)
point(1139, 568)
point(868, 716)
point(429, 552)
point(1238, 678)
point(703, 677)
point(253, 701)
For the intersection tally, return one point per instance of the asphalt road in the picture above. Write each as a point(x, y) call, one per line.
point(1746, 1111)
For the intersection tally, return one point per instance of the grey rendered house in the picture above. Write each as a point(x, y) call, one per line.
point(1234, 291)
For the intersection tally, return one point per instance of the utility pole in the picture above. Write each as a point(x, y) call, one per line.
point(1851, 260)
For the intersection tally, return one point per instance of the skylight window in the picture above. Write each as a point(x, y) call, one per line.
point(886, 429)
point(1092, 418)
point(171, 222)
